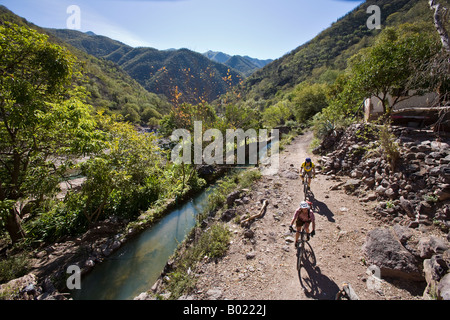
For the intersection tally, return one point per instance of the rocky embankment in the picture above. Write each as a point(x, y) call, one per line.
point(412, 195)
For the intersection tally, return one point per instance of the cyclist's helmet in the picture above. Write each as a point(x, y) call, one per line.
point(308, 160)
point(304, 205)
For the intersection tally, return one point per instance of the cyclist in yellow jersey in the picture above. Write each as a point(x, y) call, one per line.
point(308, 168)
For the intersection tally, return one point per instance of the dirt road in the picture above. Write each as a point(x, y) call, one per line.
point(261, 265)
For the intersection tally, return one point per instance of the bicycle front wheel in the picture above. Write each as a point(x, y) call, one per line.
point(299, 258)
point(305, 189)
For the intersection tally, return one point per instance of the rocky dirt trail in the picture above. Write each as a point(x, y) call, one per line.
point(260, 263)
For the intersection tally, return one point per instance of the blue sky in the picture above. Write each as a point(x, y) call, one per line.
point(259, 28)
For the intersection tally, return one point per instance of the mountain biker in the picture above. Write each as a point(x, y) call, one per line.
point(303, 217)
point(307, 168)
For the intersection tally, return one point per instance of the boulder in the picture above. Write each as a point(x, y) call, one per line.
point(351, 185)
point(386, 252)
point(290, 175)
point(443, 288)
point(407, 207)
point(430, 246)
point(233, 197)
point(425, 208)
point(443, 193)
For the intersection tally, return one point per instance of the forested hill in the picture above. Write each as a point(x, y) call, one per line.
point(331, 49)
point(168, 72)
point(111, 89)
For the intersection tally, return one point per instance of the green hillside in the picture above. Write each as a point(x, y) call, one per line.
point(331, 49)
point(110, 88)
point(193, 75)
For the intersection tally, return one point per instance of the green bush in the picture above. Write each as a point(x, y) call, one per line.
point(57, 220)
point(219, 196)
point(13, 267)
point(248, 177)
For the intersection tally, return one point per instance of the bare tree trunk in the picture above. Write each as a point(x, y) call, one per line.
point(14, 227)
point(440, 16)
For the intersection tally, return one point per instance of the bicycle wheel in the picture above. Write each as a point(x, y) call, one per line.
point(299, 258)
point(305, 188)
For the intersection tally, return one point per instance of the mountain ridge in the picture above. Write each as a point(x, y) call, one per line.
point(244, 64)
point(167, 72)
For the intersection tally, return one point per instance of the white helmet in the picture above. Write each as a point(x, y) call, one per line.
point(304, 205)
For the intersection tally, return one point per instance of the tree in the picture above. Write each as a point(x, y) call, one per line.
point(44, 122)
point(277, 114)
point(308, 99)
point(127, 167)
point(386, 68)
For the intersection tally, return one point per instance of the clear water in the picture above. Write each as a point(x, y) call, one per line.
point(135, 267)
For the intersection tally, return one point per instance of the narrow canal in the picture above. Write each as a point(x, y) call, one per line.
point(136, 266)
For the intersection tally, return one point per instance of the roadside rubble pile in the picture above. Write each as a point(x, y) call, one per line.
point(412, 194)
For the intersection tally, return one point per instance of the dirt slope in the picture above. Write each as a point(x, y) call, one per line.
point(263, 266)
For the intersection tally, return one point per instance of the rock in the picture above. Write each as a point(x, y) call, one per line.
point(250, 255)
point(351, 185)
point(403, 234)
point(156, 285)
point(390, 193)
point(385, 251)
point(438, 146)
point(228, 214)
point(23, 288)
point(425, 209)
point(378, 177)
point(144, 296)
point(249, 234)
point(232, 197)
point(443, 289)
point(289, 239)
point(430, 246)
point(436, 276)
point(407, 207)
point(380, 190)
point(290, 175)
point(369, 182)
point(214, 294)
point(443, 193)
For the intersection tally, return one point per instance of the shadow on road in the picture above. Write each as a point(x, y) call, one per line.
point(314, 284)
point(322, 209)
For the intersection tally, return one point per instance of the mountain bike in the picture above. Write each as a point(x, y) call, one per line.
point(300, 246)
point(306, 262)
point(306, 181)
